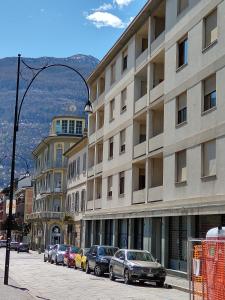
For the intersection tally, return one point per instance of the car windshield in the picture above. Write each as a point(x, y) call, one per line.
point(62, 248)
point(138, 255)
point(110, 251)
point(86, 250)
point(74, 250)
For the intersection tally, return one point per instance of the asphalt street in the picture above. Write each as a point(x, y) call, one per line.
point(50, 282)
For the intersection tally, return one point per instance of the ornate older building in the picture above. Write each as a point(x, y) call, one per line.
point(48, 217)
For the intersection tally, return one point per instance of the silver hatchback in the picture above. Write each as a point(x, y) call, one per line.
point(57, 255)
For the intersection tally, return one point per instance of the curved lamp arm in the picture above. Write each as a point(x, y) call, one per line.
point(37, 74)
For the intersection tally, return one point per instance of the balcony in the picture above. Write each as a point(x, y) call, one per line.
point(98, 168)
point(98, 203)
point(158, 43)
point(155, 193)
point(91, 138)
point(157, 92)
point(99, 134)
point(89, 204)
point(46, 215)
point(140, 149)
point(139, 196)
point(156, 142)
point(142, 59)
point(140, 103)
point(91, 171)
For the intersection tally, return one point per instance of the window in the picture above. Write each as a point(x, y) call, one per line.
point(144, 44)
point(58, 127)
point(209, 158)
point(58, 181)
point(72, 204)
point(111, 148)
point(210, 29)
point(64, 126)
point(141, 184)
point(77, 202)
point(113, 72)
point(182, 52)
point(121, 183)
point(181, 5)
point(111, 110)
point(84, 162)
point(181, 172)
point(109, 186)
point(83, 200)
point(71, 126)
point(59, 153)
point(123, 100)
point(182, 108)
point(142, 137)
point(124, 60)
point(143, 87)
point(122, 141)
point(79, 127)
point(209, 92)
point(78, 166)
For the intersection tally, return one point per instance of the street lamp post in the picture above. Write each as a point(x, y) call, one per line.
point(18, 106)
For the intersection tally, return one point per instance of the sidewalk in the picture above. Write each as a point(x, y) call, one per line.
point(13, 291)
point(178, 283)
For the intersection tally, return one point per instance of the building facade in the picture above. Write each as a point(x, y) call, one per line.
point(48, 217)
point(156, 137)
point(76, 191)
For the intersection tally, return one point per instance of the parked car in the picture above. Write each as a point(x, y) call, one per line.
point(2, 243)
point(136, 265)
point(80, 259)
point(98, 259)
point(47, 252)
point(14, 245)
point(69, 256)
point(23, 247)
point(57, 255)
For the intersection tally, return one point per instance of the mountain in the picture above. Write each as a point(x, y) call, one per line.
point(56, 91)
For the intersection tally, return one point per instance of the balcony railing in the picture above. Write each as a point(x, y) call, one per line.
point(46, 215)
point(155, 193)
point(139, 196)
point(156, 142)
point(141, 103)
point(140, 149)
point(142, 58)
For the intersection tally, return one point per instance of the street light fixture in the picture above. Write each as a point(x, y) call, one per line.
point(18, 107)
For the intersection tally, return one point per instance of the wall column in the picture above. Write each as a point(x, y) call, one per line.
point(131, 234)
point(115, 232)
point(147, 238)
point(164, 241)
point(102, 232)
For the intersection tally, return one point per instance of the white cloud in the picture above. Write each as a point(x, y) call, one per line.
point(42, 10)
point(122, 3)
point(105, 19)
point(103, 7)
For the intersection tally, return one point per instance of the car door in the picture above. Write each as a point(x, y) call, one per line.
point(114, 261)
point(78, 258)
point(120, 263)
point(54, 252)
point(92, 257)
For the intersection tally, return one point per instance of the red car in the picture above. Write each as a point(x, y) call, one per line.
point(69, 256)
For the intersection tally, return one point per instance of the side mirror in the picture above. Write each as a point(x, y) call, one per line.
point(93, 254)
point(121, 258)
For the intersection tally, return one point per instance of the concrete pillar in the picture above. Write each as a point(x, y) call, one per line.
point(146, 179)
point(164, 241)
point(102, 232)
point(92, 232)
point(131, 234)
point(190, 227)
point(83, 234)
point(115, 232)
point(147, 242)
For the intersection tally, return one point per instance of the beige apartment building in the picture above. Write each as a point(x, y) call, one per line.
point(76, 190)
point(48, 219)
point(156, 163)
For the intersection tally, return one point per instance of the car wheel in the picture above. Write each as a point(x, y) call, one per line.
point(87, 268)
point(98, 271)
point(160, 283)
point(127, 279)
point(68, 264)
point(82, 267)
point(56, 262)
point(45, 259)
point(111, 274)
point(75, 267)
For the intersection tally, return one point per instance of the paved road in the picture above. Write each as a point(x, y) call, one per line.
point(51, 282)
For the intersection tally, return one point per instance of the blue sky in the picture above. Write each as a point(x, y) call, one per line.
point(62, 28)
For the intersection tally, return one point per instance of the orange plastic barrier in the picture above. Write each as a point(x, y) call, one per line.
point(208, 270)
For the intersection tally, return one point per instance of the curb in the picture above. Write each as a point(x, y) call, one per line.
point(180, 288)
